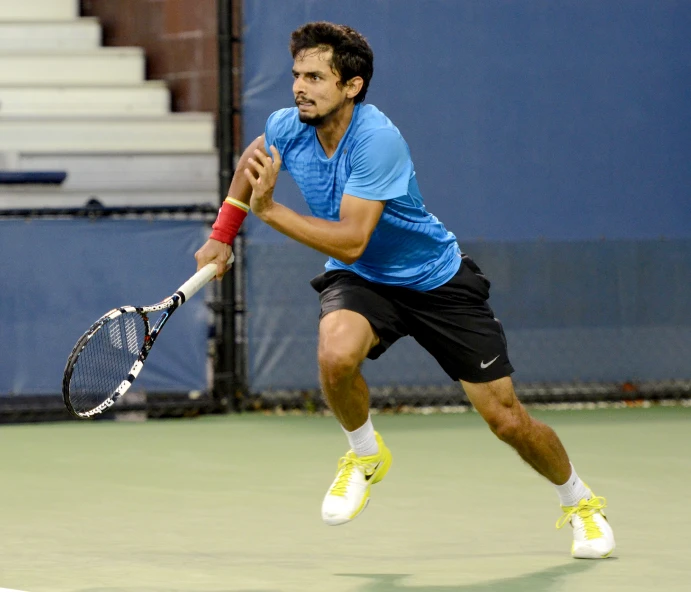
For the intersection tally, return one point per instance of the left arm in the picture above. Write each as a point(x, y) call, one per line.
point(345, 239)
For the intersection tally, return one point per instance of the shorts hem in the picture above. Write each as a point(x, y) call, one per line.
point(480, 377)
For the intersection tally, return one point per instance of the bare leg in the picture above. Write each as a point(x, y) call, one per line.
point(536, 443)
point(345, 337)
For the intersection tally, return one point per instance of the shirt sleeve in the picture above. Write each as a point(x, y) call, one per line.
point(380, 167)
point(275, 125)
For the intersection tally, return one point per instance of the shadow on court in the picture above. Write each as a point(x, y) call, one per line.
point(539, 581)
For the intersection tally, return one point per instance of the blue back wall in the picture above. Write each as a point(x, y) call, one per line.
point(554, 139)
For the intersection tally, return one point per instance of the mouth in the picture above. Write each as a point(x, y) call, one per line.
point(302, 103)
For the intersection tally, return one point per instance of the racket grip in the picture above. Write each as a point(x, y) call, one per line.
point(200, 279)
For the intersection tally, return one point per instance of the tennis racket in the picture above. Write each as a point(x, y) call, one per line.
point(110, 355)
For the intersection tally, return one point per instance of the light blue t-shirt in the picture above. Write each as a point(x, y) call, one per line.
point(409, 246)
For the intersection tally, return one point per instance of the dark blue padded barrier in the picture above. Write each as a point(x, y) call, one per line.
point(553, 137)
point(59, 276)
point(611, 311)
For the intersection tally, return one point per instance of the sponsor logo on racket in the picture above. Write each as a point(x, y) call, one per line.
point(100, 409)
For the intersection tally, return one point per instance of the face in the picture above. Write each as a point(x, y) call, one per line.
point(318, 94)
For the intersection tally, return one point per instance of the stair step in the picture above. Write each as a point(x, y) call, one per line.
point(150, 98)
point(83, 33)
point(177, 132)
point(103, 66)
point(15, 198)
point(112, 172)
point(38, 10)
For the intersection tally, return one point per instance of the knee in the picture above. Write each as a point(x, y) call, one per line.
point(337, 367)
point(508, 427)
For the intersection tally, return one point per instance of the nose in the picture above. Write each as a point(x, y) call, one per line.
point(298, 86)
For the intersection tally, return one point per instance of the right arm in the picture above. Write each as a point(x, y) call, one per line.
point(240, 187)
point(216, 251)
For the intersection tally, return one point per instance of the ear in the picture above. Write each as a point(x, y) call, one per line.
point(354, 86)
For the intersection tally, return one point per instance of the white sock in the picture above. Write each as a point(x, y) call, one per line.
point(362, 440)
point(573, 491)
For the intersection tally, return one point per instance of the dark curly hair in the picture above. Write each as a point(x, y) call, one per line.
point(352, 55)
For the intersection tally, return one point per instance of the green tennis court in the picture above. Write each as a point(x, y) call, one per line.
point(232, 504)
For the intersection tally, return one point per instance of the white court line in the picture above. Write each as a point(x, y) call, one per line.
point(8, 590)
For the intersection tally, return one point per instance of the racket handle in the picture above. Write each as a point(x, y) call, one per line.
point(200, 279)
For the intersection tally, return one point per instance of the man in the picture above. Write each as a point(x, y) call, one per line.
point(394, 270)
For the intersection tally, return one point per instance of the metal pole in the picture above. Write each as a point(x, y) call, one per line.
point(230, 382)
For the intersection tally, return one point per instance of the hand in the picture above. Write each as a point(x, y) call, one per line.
point(264, 182)
point(216, 252)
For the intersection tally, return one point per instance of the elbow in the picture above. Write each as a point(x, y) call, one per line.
point(351, 255)
point(348, 260)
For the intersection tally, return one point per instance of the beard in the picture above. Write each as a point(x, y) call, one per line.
point(316, 120)
point(313, 120)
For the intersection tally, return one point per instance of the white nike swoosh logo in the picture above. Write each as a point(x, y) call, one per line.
point(488, 364)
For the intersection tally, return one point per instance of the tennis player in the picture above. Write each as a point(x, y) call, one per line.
point(393, 270)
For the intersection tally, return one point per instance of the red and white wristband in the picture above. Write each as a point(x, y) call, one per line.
point(231, 215)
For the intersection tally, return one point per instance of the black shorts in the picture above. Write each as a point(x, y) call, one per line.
point(453, 322)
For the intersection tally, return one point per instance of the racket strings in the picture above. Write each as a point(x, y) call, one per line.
point(106, 360)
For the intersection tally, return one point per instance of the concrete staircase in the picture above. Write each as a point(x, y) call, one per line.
point(67, 103)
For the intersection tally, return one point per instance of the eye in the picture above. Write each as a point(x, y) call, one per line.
point(315, 77)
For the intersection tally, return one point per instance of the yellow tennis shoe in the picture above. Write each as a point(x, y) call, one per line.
point(593, 537)
point(349, 493)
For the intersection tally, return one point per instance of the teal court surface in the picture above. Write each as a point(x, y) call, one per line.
point(232, 504)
